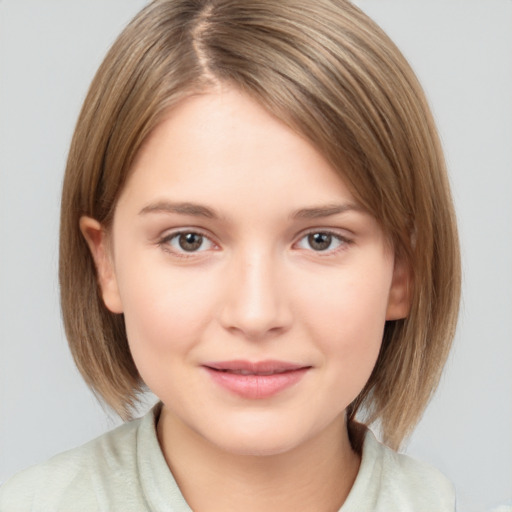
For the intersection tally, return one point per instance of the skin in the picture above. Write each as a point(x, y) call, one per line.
point(256, 288)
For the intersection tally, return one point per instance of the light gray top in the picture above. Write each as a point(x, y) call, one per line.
point(124, 470)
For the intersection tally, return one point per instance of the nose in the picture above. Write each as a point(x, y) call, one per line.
point(255, 301)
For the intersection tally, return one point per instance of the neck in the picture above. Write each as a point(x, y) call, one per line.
point(315, 476)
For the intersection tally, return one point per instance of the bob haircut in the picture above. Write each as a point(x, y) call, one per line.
point(330, 73)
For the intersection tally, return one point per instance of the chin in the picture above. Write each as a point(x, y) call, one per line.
point(257, 447)
point(269, 440)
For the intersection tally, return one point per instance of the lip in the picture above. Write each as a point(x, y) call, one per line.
point(255, 380)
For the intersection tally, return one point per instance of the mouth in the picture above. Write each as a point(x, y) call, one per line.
point(251, 372)
point(256, 380)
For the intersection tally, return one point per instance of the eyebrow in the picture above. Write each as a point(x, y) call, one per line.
point(193, 209)
point(318, 212)
point(198, 210)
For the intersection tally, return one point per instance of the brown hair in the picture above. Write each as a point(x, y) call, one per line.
point(329, 72)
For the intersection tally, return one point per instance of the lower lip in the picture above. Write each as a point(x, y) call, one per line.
point(257, 386)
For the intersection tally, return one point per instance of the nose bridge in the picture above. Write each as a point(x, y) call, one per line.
point(255, 301)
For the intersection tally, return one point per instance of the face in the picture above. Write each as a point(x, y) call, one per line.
point(254, 287)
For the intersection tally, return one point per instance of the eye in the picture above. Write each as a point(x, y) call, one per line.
point(322, 241)
point(187, 242)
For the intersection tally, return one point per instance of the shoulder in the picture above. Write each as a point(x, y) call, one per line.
point(76, 479)
point(410, 481)
point(388, 480)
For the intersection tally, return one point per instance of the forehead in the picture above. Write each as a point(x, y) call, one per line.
point(224, 145)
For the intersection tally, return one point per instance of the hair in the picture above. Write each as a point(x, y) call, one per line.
point(332, 75)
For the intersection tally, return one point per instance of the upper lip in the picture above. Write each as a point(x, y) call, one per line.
point(267, 367)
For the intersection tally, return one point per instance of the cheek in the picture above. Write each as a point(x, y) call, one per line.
point(353, 300)
point(346, 317)
point(165, 311)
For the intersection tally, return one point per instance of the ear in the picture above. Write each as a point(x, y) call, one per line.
point(400, 293)
point(97, 240)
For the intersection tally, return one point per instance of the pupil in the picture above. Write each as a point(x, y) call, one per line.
point(320, 241)
point(190, 241)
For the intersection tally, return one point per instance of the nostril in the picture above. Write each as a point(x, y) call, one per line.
point(254, 304)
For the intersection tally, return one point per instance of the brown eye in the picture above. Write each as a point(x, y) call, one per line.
point(319, 241)
point(323, 242)
point(186, 243)
point(190, 242)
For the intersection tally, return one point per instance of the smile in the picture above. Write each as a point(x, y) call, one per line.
point(249, 372)
point(255, 380)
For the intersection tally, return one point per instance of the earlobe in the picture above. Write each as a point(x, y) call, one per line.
point(97, 240)
point(400, 293)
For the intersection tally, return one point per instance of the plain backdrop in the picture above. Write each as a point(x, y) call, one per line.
point(462, 52)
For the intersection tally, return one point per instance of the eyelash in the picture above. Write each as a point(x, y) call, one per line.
point(344, 241)
point(164, 242)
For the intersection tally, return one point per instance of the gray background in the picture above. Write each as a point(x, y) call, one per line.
point(462, 52)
